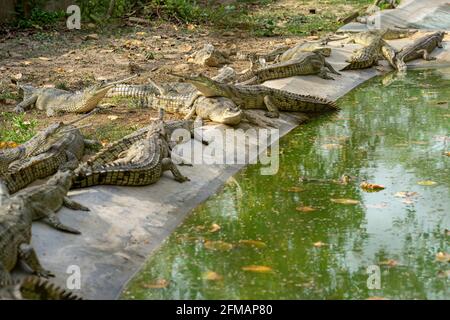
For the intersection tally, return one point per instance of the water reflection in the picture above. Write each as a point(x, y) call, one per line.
point(390, 131)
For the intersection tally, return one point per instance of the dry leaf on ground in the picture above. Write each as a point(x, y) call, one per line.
point(345, 201)
point(218, 245)
point(260, 269)
point(158, 284)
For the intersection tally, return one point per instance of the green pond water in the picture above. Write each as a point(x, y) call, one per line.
point(393, 132)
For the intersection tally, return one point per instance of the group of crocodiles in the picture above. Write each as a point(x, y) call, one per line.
point(141, 158)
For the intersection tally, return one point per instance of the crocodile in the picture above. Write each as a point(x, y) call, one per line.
point(142, 163)
point(421, 48)
point(53, 101)
point(35, 288)
point(260, 97)
point(367, 37)
point(49, 151)
point(308, 63)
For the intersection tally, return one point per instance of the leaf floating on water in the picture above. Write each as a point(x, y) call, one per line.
point(260, 269)
point(305, 209)
point(253, 243)
point(158, 284)
point(319, 244)
point(389, 263)
point(331, 146)
point(295, 189)
point(371, 187)
point(218, 245)
point(214, 228)
point(427, 183)
point(443, 257)
point(212, 276)
point(345, 201)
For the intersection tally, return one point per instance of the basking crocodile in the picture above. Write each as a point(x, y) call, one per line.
point(301, 48)
point(186, 100)
point(112, 151)
point(220, 110)
point(365, 57)
point(35, 288)
point(260, 97)
point(306, 64)
point(44, 155)
point(421, 48)
point(53, 101)
point(143, 163)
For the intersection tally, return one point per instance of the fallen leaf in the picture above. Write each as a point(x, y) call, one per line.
point(26, 63)
point(389, 263)
point(190, 26)
point(158, 284)
point(443, 257)
point(112, 118)
point(218, 245)
point(426, 183)
point(253, 243)
point(319, 244)
point(295, 189)
point(44, 59)
point(305, 209)
point(371, 186)
point(141, 33)
point(212, 276)
point(345, 201)
point(17, 76)
point(261, 269)
point(214, 228)
point(447, 153)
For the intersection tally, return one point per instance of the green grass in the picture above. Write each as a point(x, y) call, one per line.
point(15, 128)
point(110, 132)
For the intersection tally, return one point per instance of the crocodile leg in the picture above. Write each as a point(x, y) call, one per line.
point(167, 164)
point(271, 107)
point(5, 277)
point(72, 162)
point(29, 256)
point(190, 114)
point(26, 104)
point(71, 204)
point(425, 55)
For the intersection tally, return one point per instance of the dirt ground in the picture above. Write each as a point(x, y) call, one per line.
point(74, 59)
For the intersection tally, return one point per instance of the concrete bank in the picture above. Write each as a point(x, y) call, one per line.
point(126, 224)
